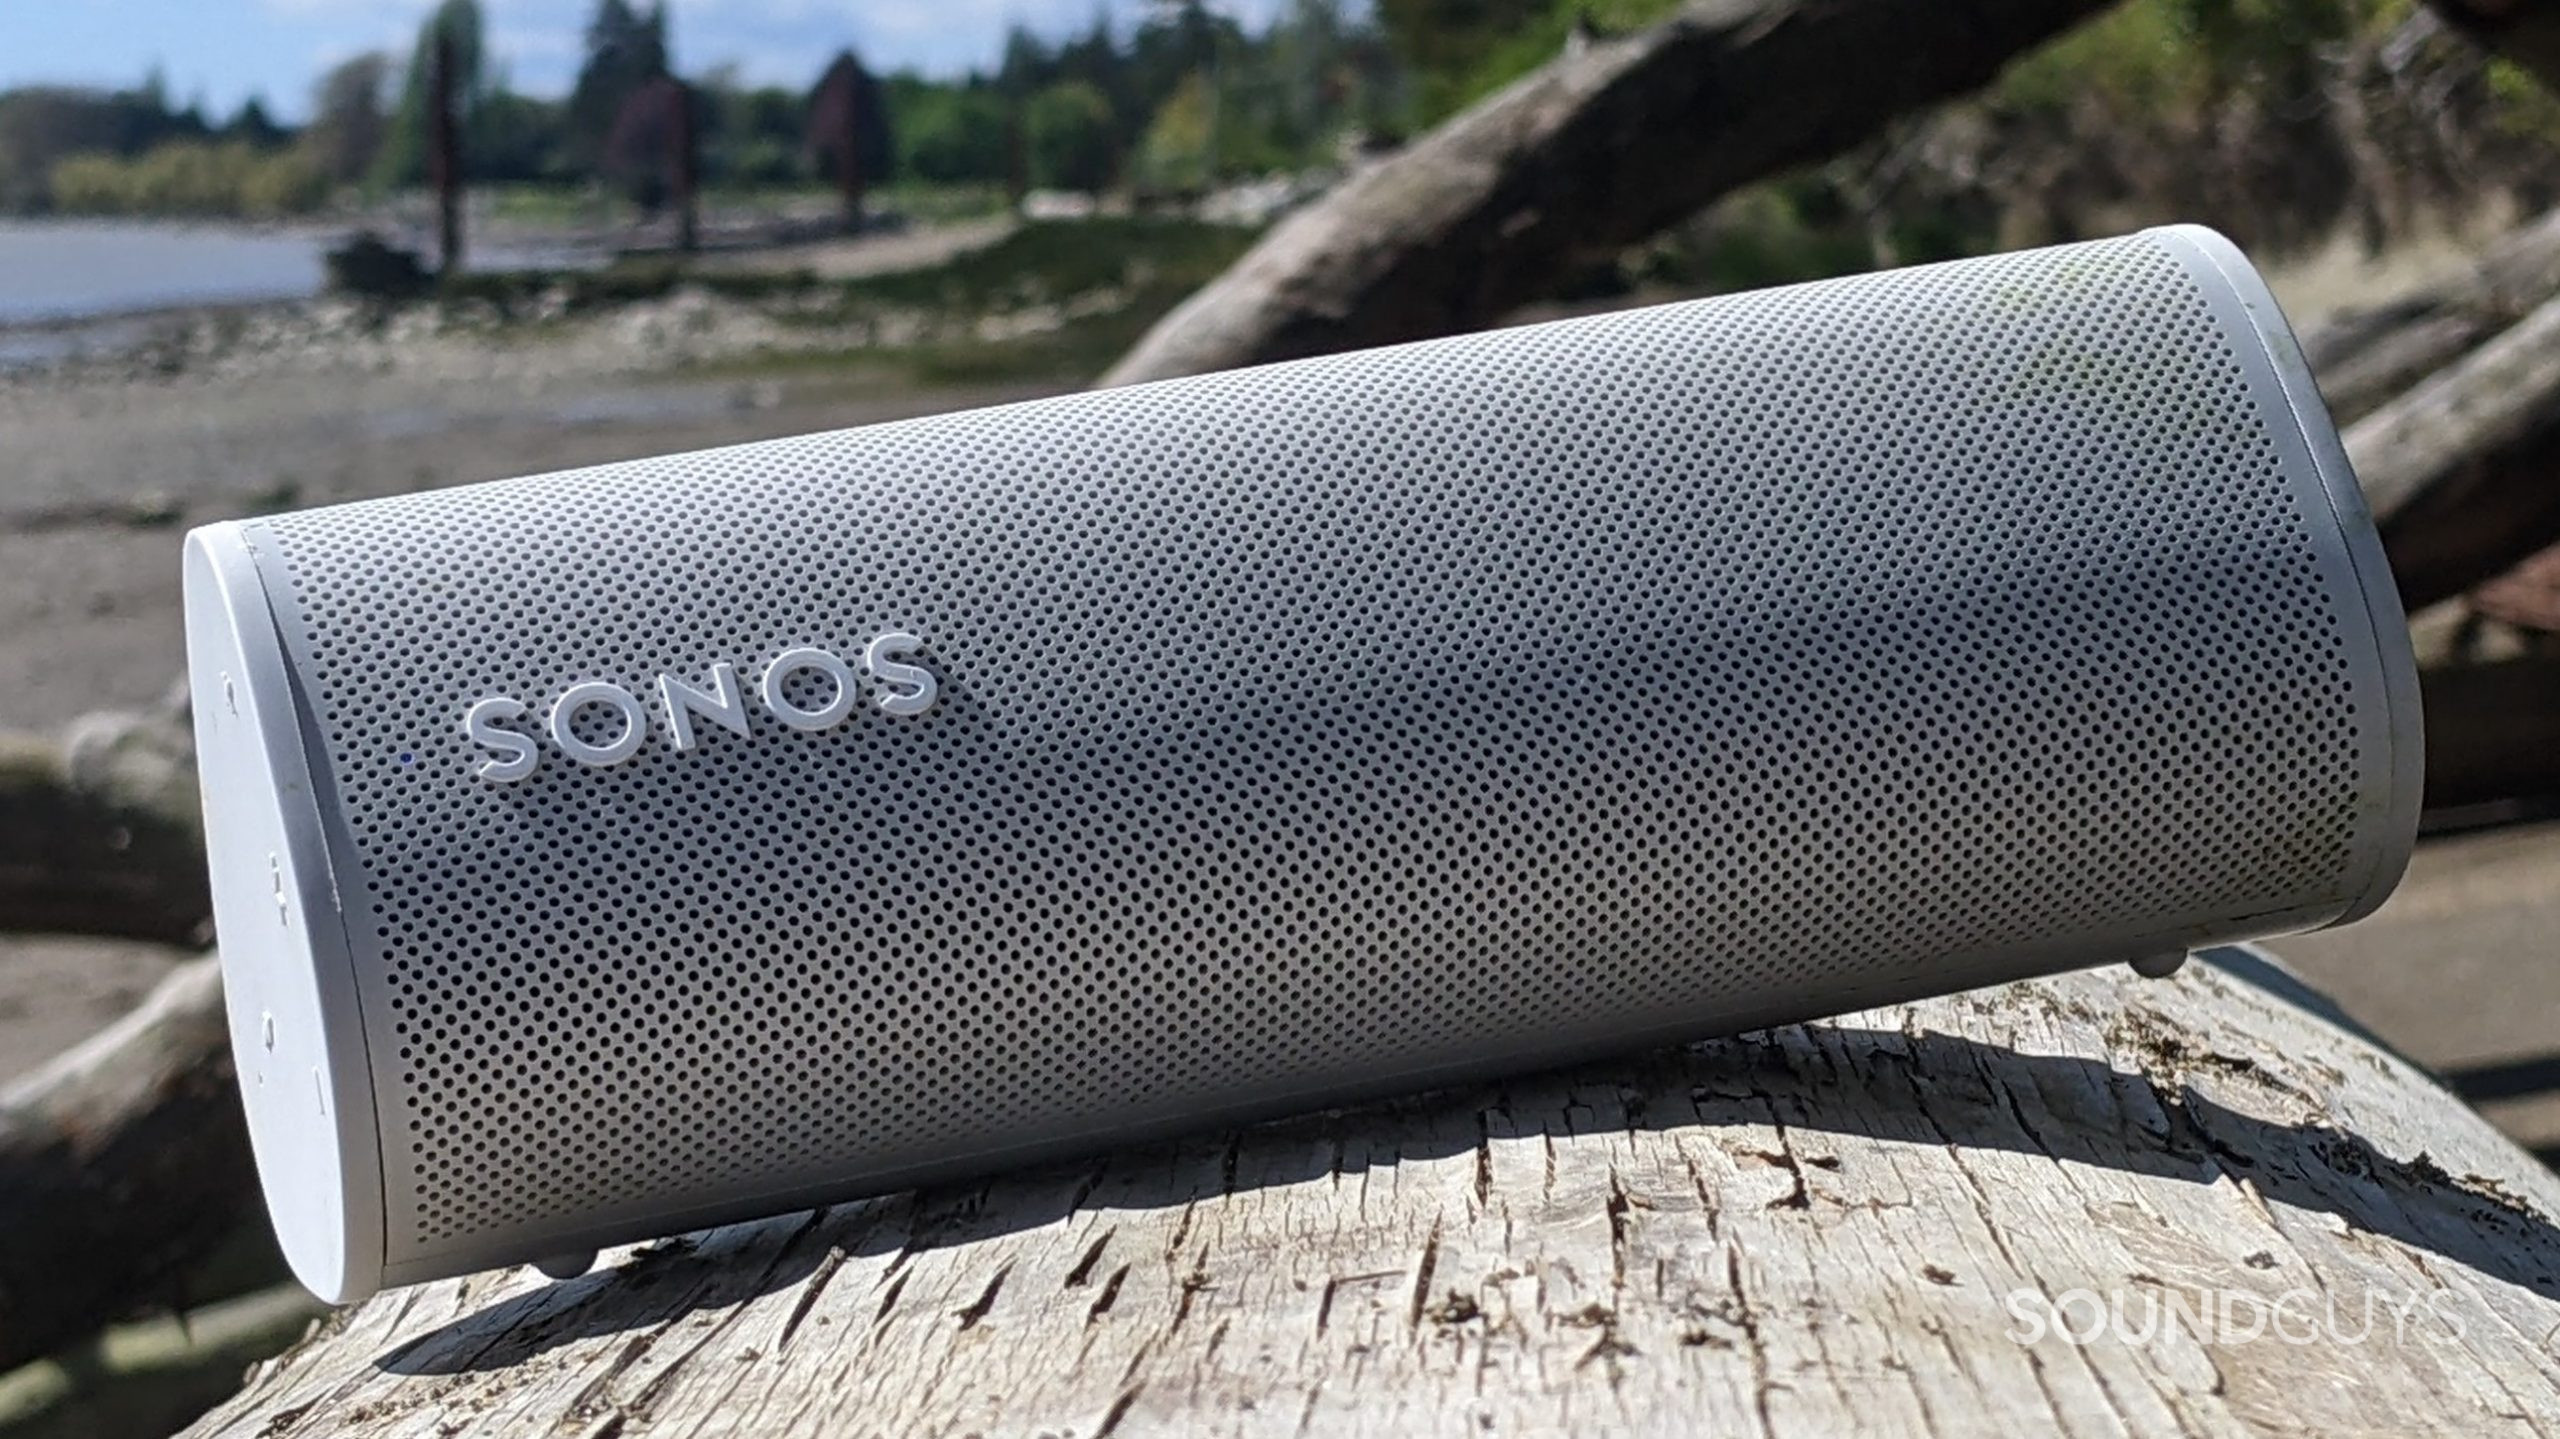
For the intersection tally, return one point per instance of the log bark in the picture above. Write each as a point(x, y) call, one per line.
point(123, 1163)
point(2367, 357)
point(2459, 470)
point(101, 832)
point(1597, 149)
point(1863, 1225)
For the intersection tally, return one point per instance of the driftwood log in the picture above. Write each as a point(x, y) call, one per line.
point(123, 1164)
point(2463, 469)
point(153, 1376)
point(100, 832)
point(2367, 356)
point(1999, 1213)
point(1598, 149)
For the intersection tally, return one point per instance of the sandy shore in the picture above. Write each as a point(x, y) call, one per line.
point(101, 481)
point(98, 481)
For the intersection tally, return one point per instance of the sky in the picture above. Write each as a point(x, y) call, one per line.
point(225, 51)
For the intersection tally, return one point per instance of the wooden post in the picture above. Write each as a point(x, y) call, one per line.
point(839, 109)
point(1924, 1219)
point(684, 164)
point(1017, 155)
point(444, 156)
point(851, 182)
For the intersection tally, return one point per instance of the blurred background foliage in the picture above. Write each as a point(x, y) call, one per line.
point(2284, 122)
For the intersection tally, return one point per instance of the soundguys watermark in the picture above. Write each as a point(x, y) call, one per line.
point(2158, 1313)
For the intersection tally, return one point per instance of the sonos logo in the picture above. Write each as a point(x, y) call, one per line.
point(904, 689)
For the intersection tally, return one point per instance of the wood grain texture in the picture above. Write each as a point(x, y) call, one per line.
point(2459, 468)
point(2366, 356)
point(1810, 1231)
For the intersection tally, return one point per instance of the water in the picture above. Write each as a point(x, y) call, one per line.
point(74, 287)
point(70, 269)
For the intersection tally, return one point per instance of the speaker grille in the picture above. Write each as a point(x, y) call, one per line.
point(1440, 702)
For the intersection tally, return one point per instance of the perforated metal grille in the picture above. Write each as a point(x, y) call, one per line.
point(1354, 716)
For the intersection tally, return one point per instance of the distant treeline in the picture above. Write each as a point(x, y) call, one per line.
point(2283, 121)
point(1172, 104)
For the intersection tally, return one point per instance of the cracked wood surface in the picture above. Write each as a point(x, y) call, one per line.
point(1816, 1230)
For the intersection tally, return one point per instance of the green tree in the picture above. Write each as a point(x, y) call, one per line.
point(751, 136)
point(1028, 63)
point(1094, 58)
point(1174, 157)
point(947, 133)
point(42, 125)
point(511, 136)
point(1068, 130)
point(253, 125)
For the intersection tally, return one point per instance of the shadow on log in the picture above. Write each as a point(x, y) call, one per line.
point(1860, 1224)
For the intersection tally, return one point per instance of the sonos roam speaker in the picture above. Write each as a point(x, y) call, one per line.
point(612, 853)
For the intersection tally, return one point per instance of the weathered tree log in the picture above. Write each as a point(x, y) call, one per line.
point(143, 1380)
point(2367, 357)
point(1595, 150)
point(101, 833)
point(2460, 469)
point(123, 1163)
point(1864, 1225)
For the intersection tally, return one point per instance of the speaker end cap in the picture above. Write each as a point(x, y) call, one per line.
point(288, 982)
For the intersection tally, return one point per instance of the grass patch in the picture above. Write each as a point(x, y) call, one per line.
point(1051, 260)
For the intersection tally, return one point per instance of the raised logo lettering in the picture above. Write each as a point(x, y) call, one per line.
point(599, 724)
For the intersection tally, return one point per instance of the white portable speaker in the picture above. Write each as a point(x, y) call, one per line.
point(610, 853)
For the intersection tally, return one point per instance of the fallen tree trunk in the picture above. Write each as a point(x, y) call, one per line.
point(1596, 150)
point(2367, 357)
point(2460, 469)
point(103, 834)
point(1898, 1221)
point(123, 1163)
point(152, 1377)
